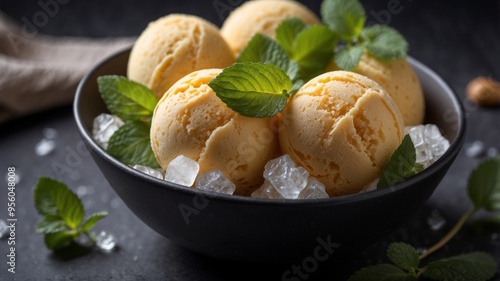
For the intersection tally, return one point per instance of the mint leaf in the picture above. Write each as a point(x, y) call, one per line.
point(469, 267)
point(264, 49)
point(55, 199)
point(403, 255)
point(401, 166)
point(287, 31)
point(385, 43)
point(125, 98)
point(345, 17)
point(484, 185)
point(313, 50)
point(253, 89)
point(131, 144)
point(59, 239)
point(50, 224)
point(92, 220)
point(381, 272)
point(349, 57)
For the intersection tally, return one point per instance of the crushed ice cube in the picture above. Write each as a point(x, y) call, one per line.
point(436, 221)
point(371, 186)
point(182, 170)
point(215, 181)
point(105, 125)
point(49, 133)
point(105, 241)
point(492, 152)
point(286, 177)
point(475, 149)
point(44, 147)
point(3, 228)
point(267, 191)
point(148, 171)
point(429, 143)
point(313, 190)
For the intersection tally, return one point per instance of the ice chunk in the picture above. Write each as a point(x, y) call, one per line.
point(313, 190)
point(371, 186)
point(436, 221)
point(105, 125)
point(44, 147)
point(3, 228)
point(105, 241)
point(475, 149)
point(215, 181)
point(182, 170)
point(286, 177)
point(148, 171)
point(49, 133)
point(267, 191)
point(430, 145)
point(492, 152)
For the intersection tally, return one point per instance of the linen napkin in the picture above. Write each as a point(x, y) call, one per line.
point(38, 72)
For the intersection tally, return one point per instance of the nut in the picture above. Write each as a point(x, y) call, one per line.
point(484, 91)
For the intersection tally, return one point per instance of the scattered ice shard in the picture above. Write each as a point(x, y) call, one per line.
point(475, 149)
point(148, 171)
point(3, 228)
point(436, 221)
point(105, 241)
point(429, 144)
point(182, 170)
point(288, 179)
point(267, 191)
point(44, 147)
point(492, 152)
point(215, 181)
point(313, 190)
point(105, 125)
point(371, 186)
point(49, 133)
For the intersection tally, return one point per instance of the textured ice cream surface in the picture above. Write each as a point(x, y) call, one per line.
point(261, 16)
point(191, 120)
point(400, 81)
point(343, 128)
point(174, 46)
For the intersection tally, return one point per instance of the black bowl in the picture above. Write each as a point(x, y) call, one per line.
point(271, 231)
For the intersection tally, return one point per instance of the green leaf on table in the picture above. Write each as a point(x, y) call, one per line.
point(348, 57)
point(469, 267)
point(382, 272)
point(345, 17)
point(484, 185)
point(401, 166)
point(57, 240)
point(50, 224)
point(131, 144)
point(92, 220)
point(403, 255)
point(313, 50)
point(125, 98)
point(385, 43)
point(287, 31)
point(55, 199)
point(253, 89)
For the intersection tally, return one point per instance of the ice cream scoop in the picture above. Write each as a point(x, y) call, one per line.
point(174, 46)
point(343, 128)
point(191, 120)
point(261, 16)
point(400, 81)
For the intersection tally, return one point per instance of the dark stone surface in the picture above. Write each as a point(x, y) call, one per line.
point(458, 39)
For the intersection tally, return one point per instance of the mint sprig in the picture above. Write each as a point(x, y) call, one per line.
point(253, 89)
point(62, 214)
point(127, 99)
point(484, 189)
point(402, 165)
point(131, 144)
point(344, 17)
point(134, 103)
point(385, 42)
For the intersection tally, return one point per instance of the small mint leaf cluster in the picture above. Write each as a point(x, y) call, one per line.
point(484, 192)
point(347, 19)
point(133, 103)
point(62, 214)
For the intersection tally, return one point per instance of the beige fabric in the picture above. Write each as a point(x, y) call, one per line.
point(41, 72)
